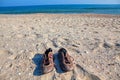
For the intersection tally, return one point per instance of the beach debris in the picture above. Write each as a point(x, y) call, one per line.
point(86, 52)
point(78, 51)
point(74, 45)
point(107, 45)
point(19, 73)
point(117, 44)
point(38, 35)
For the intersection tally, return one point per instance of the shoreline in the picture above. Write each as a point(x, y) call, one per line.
point(47, 14)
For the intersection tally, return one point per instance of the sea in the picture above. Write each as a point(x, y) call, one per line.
point(63, 9)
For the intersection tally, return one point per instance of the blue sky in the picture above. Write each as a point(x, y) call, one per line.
point(49, 2)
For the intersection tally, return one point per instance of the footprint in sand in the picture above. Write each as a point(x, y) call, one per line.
point(118, 57)
point(4, 62)
point(5, 53)
point(81, 74)
point(55, 42)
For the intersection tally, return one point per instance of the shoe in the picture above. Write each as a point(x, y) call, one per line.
point(65, 60)
point(48, 63)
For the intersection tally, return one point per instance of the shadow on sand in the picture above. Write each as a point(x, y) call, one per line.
point(57, 64)
point(37, 59)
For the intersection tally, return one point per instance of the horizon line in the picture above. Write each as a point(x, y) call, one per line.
point(56, 5)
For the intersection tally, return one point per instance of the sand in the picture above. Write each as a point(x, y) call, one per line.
point(92, 40)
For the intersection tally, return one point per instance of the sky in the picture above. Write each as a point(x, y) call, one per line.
point(53, 2)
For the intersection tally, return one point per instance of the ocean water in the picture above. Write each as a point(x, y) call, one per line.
point(65, 9)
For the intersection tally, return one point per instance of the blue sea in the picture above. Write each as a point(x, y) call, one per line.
point(65, 9)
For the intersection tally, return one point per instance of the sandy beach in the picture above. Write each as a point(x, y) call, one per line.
point(92, 40)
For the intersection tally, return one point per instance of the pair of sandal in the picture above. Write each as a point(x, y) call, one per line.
point(65, 60)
